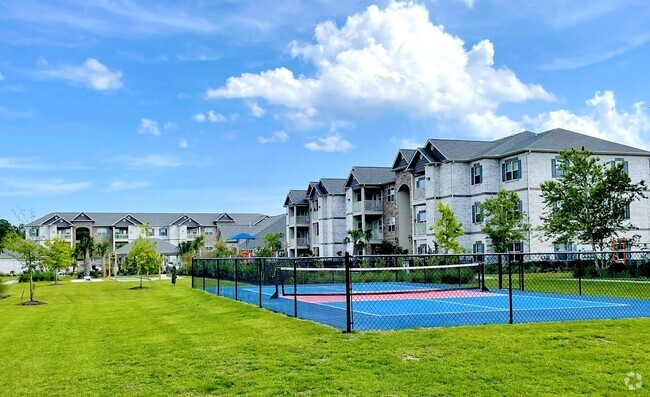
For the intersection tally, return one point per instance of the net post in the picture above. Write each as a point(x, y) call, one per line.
point(500, 259)
point(295, 289)
point(218, 277)
point(260, 263)
point(579, 275)
point(510, 285)
point(348, 297)
point(521, 271)
point(236, 279)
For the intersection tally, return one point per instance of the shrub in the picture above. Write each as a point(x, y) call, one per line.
point(95, 273)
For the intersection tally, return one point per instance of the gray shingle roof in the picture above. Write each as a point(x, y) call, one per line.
point(333, 185)
point(272, 224)
point(553, 140)
point(296, 197)
point(371, 176)
point(162, 247)
point(155, 219)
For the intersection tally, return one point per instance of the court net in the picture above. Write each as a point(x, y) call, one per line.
point(321, 281)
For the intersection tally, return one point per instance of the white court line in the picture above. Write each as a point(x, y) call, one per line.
point(603, 281)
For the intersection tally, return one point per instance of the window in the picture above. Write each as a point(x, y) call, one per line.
point(151, 231)
point(391, 224)
point(357, 196)
point(618, 162)
point(419, 183)
point(101, 232)
point(33, 232)
point(208, 247)
point(520, 206)
point(557, 169)
point(162, 231)
point(516, 247)
point(423, 249)
point(510, 170)
point(477, 214)
point(390, 194)
point(626, 212)
point(478, 247)
point(315, 228)
point(422, 216)
point(208, 231)
point(477, 174)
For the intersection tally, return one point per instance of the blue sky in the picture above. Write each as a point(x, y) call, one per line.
point(133, 105)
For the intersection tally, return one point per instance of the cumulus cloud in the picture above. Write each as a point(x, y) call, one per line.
point(25, 187)
point(330, 143)
point(169, 125)
point(602, 120)
point(255, 109)
point(210, 115)
point(120, 185)
point(92, 74)
point(276, 137)
point(182, 143)
point(148, 126)
point(407, 143)
point(386, 59)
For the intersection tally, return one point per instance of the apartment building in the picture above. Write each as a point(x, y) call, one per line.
point(121, 228)
point(297, 223)
point(327, 210)
point(463, 174)
point(370, 203)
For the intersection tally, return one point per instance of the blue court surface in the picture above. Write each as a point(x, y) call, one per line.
point(426, 308)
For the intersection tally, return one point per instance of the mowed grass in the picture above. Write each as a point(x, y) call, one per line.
point(104, 339)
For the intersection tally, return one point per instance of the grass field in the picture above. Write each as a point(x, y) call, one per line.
point(105, 339)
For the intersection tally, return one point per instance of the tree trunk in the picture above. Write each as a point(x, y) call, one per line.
point(87, 263)
point(31, 286)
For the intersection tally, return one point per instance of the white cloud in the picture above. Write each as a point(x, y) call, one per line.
point(2, 77)
point(407, 143)
point(120, 185)
point(468, 3)
point(330, 143)
point(92, 73)
point(488, 125)
point(169, 125)
point(149, 161)
point(276, 137)
point(255, 109)
point(17, 163)
point(210, 115)
point(148, 126)
point(602, 120)
point(24, 187)
point(386, 59)
point(182, 143)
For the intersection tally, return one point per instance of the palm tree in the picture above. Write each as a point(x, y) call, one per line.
point(101, 249)
point(197, 244)
point(84, 248)
point(358, 238)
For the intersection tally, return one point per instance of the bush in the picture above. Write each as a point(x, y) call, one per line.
point(95, 273)
point(37, 275)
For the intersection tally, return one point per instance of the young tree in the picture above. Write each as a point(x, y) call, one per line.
point(84, 249)
point(587, 204)
point(503, 220)
point(273, 242)
point(59, 255)
point(358, 238)
point(447, 230)
point(5, 229)
point(29, 254)
point(143, 257)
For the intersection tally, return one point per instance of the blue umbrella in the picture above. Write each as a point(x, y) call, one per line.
point(242, 236)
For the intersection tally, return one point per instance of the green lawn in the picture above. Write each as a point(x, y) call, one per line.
point(105, 339)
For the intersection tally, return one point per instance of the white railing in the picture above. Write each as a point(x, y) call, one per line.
point(419, 193)
point(374, 205)
point(420, 228)
point(64, 236)
point(357, 206)
point(302, 242)
point(121, 236)
point(302, 220)
point(377, 235)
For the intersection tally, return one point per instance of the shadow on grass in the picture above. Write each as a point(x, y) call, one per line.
point(32, 303)
point(138, 287)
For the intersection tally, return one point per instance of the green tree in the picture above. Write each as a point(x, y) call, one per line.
point(143, 257)
point(272, 243)
point(587, 204)
point(29, 254)
point(390, 248)
point(58, 255)
point(5, 229)
point(84, 249)
point(504, 222)
point(359, 238)
point(221, 250)
point(447, 229)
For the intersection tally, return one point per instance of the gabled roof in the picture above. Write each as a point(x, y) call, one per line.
point(296, 197)
point(422, 157)
point(370, 176)
point(55, 219)
point(107, 219)
point(224, 218)
point(128, 219)
point(83, 218)
point(402, 159)
point(555, 140)
point(332, 185)
point(162, 248)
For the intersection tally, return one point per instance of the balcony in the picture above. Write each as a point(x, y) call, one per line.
point(121, 236)
point(377, 235)
point(420, 228)
point(368, 206)
point(64, 236)
point(419, 194)
point(302, 220)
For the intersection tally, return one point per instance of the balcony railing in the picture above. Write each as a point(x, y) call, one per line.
point(121, 236)
point(420, 228)
point(302, 242)
point(368, 205)
point(377, 235)
point(419, 193)
point(64, 236)
point(302, 220)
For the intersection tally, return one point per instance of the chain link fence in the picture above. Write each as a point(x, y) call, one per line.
point(405, 291)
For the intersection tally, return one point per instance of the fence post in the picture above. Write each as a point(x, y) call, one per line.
point(510, 285)
point(579, 275)
point(521, 271)
point(236, 279)
point(218, 277)
point(500, 270)
point(295, 289)
point(348, 297)
point(204, 271)
point(260, 263)
point(193, 269)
